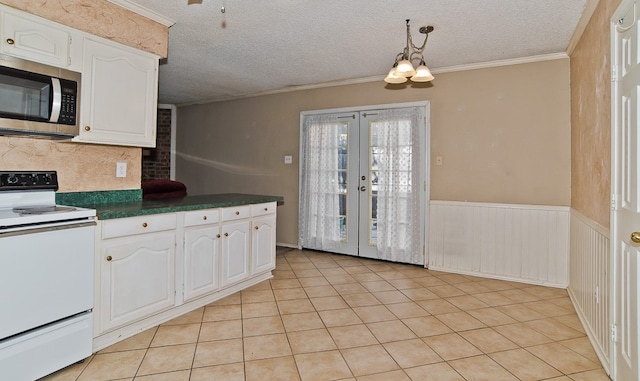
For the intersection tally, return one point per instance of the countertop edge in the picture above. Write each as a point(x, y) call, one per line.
point(113, 210)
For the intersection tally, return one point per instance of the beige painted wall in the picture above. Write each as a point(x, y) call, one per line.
point(85, 167)
point(504, 134)
point(591, 117)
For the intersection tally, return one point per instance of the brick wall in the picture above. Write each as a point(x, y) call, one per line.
point(156, 162)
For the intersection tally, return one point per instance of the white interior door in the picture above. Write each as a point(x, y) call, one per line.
point(625, 219)
point(363, 183)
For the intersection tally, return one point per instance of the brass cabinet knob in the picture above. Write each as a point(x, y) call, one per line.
point(10, 41)
point(256, 228)
point(217, 235)
point(635, 237)
point(109, 258)
point(226, 234)
point(204, 218)
point(144, 225)
point(266, 209)
point(87, 128)
point(237, 213)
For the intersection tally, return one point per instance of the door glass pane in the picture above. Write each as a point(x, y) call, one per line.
point(375, 155)
point(343, 169)
point(398, 180)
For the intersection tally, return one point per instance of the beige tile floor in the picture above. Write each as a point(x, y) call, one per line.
point(334, 317)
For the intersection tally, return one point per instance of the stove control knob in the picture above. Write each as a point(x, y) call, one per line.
point(12, 179)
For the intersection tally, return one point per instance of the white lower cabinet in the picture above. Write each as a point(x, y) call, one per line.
point(201, 256)
point(263, 244)
point(235, 252)
point(201, 253)
point(137, 278)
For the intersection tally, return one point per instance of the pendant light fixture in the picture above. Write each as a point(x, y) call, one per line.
point(403, 68)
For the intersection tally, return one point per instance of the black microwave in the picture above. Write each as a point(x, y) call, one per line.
point(37, 99)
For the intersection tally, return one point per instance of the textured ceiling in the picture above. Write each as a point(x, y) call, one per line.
point(262, 46)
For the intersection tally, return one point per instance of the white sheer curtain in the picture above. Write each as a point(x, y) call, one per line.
point(320, 220)
point(396, 138)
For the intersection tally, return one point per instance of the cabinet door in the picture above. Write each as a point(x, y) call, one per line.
point(28, 37)
point(119, 95)
point(201, 258)
point(235, 252)
point(263, 244)
point(137, 277)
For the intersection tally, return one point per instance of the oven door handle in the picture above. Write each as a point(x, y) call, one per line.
point(44, 229)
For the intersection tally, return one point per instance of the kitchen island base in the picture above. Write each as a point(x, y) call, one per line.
point(153, 268)
point(107, 339)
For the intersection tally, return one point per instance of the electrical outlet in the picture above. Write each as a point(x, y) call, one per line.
point(288, 159)
point(121, 169)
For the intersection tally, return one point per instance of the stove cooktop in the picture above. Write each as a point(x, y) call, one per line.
point(38, 209)
point(28, 198)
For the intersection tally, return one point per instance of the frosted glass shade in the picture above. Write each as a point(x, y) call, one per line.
point(423, 74)
point(405, 69)
point(392, 77)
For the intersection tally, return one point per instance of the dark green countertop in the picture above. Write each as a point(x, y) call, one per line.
point(108, 208)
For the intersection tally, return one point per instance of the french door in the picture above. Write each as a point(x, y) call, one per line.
point(363, 183)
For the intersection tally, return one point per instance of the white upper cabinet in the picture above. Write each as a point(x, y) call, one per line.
point(119, 95)
point(35, 39)
point(119, 86)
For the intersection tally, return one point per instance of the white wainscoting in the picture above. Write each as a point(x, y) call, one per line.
point(524, 243)
point(589, 286)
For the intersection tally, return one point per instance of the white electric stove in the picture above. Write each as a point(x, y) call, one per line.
point(46, 277)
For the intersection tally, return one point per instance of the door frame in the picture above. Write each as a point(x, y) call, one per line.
point(427, 153)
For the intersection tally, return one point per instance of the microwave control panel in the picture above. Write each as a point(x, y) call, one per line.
point(68, 104)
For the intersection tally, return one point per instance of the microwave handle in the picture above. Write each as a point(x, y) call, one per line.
point(56, 91)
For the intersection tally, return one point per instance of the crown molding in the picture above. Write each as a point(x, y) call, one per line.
point(142, 11)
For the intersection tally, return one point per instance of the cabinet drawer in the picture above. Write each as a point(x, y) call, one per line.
point(263, 209)
point(121, 227)
point(236, 213)
point(201, 217)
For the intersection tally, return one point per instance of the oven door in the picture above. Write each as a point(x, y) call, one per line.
point(46, 274)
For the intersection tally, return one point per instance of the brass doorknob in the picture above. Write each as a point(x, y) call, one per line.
point(635, 237)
